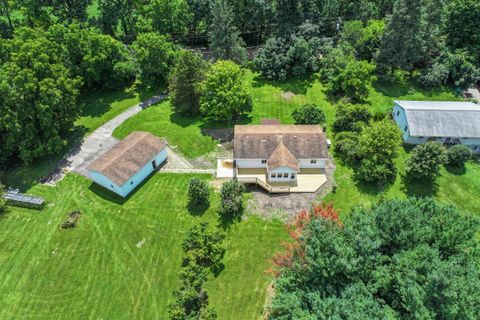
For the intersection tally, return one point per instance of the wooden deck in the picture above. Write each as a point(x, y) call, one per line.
point(308, 180)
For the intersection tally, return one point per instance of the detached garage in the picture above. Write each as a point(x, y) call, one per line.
point(128, 163)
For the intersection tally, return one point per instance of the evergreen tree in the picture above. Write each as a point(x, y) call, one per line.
point(402, 43)
point(225, 40)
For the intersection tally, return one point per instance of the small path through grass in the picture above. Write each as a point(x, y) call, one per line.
point(97, 143)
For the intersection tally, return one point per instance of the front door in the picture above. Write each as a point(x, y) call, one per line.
point(154, 164)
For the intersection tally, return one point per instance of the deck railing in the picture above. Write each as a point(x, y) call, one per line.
point(264, 185)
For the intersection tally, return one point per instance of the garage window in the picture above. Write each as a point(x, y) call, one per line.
point(273, 175)
point(285, 175)
point(313, 161)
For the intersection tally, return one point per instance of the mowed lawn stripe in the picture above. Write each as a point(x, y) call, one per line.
point(97, 271)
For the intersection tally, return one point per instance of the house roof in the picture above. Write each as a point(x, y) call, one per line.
point(128, 156)
point(260, 141)
point(442, 119)
point(282, 157)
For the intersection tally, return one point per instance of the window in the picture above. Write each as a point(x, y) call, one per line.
point(285, 175)
point(405, 129)
point(112, 186)
point(293, 175)
point(264, 161)
point(273, 175)
point(398, 113)
point(475, 148)
point(131, 182)
point(420, 137)
point(313, 161)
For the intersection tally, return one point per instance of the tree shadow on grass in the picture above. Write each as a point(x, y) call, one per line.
point(98, 102)
point(298, 85)
point(197, 209)
point(23, 177)
point(216, 270)
point(456, 170)
point(420, 187)
point(225, 222)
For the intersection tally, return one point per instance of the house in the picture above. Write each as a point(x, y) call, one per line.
point(128, 163)
point(447, 122)
point(282, 156)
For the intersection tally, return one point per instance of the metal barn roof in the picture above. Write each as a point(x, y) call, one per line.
point(442, 119)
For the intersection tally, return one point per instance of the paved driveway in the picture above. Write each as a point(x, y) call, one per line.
point(97, 143)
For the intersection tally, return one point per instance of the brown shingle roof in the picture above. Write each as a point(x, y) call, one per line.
point(282, 157)
point(128, 156)
point(259, 142)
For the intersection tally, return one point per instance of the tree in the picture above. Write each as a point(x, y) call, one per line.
point(100, 60)
point(198, 191)
point(308, 114)
point(399, 259)
point(452, 68)
point(231, 204)
point(365, 40)
point(167, 17)
point(425, 160)
point(402, 44)
point(458, 155)
point(38, 98)
point(118, 17)
point(353, 80)
point(377, 148)
point(203, 250)
point(350, 117)
point(184, 85)
point(155, 56)
point(225, 40)
point(224, 92)
point(295, 54)
point(461, 26)
point(3, 204)
point(71, 10)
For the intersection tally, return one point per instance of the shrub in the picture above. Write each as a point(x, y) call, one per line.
point(308, 114)
point(377, 148)
point(198, 191)
point(231, 199)
point(351, 117)
point(346, 147)
point(458, 155)
point(425, 160)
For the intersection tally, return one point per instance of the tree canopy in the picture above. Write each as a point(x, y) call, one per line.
point(224, 92)
point(400, 259)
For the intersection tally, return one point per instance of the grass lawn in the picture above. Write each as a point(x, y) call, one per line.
point(97, 271)
point(181, 131)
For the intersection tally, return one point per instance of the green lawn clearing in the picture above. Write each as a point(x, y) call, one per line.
point(123, 258)
point(182, 132)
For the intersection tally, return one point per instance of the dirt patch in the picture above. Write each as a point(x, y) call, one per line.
point(288, 95)
point(223, 134)
point(286, 206)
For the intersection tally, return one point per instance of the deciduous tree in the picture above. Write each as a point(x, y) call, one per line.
point(425, 160)
point(155, 56)
point(224, 92)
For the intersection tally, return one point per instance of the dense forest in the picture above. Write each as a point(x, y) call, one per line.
point(52, 51)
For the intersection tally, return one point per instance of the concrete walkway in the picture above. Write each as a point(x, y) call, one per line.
point(474, 93)
point(97, 143)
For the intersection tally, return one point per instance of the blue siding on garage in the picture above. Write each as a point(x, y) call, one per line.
point(133, 181)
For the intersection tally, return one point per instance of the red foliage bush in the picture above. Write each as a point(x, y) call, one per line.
point(294, 250)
